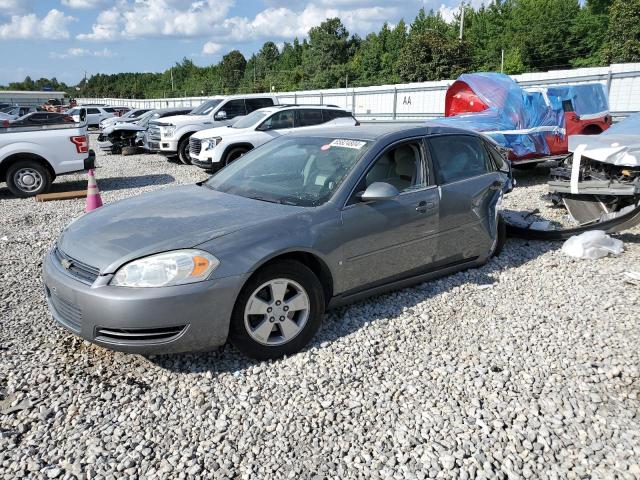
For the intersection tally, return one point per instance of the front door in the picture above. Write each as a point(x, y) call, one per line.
point(392, 238)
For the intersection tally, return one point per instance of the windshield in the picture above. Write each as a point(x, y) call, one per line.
point(250, 120)
point(302, 171)
point(205, 108)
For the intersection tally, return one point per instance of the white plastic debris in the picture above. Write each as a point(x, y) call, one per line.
point(592, 245)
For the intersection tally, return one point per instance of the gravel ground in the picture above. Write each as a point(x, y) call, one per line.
point(526, 368)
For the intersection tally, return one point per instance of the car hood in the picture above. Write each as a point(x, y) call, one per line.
point(169, 219)
point(220, 132)
point(179, 120)
point(122, 126)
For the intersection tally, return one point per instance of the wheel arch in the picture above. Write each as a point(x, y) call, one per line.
point(16, 157)
point(591, 129)
point(310, 259)
point(228, 148)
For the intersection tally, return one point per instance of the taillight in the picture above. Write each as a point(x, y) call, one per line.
point(81, 142)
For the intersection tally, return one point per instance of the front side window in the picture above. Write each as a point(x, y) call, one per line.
point(93, 110)
point(303, 171)
point(279, 120)
point(250, 120)
point(308, 117)
point(458, 157)
point(233, 108)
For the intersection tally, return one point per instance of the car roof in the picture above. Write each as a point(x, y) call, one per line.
point(375, 131)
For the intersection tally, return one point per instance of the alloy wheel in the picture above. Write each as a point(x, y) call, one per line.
point(276, 312)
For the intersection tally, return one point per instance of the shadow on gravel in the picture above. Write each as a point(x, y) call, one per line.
point(105, 184)
point(338, 324)
point(116, 183)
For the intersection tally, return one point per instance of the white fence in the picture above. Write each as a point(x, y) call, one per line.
point(414, 101)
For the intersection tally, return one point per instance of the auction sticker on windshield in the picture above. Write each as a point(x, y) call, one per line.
point(342, 142)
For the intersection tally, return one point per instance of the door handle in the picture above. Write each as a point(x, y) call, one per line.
point(423, 206)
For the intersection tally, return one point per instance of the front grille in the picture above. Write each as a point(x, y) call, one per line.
point(195, 145)
point(139, 335)
point(69, 314)
point(80, 271)
point(154, 133)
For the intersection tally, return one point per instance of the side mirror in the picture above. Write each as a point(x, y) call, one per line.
point(221, 115)
point(263, 127)
point(379, 191)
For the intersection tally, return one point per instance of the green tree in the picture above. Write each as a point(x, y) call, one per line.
point(624, 32)
point(430, 56)
point(232, 69)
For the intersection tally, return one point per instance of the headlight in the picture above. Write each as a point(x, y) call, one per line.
point(168, 131)
point(210, 143)
point(165, 269)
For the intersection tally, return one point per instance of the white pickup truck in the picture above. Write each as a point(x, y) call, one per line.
point(170, 136)
point(32, 157)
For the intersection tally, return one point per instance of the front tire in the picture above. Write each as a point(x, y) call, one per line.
point(234, 154)
point(278, 311)
point(501, 238)
point(27, 178)
point(183, 151)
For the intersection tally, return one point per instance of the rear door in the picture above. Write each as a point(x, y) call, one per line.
point(469, 188)
point(93, 116)
point(308, 117)
point(390, 239)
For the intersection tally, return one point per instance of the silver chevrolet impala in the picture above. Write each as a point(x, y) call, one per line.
point(257, 253)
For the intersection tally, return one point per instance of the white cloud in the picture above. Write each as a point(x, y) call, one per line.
point(83, 52)
point(154, 18)
point(11, 6)
point(83, 4)
point(53, 26)
point(211, 48)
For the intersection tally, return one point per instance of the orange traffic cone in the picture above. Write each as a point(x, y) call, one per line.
point(93, 194)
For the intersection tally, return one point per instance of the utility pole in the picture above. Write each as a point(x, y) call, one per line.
point(502, 62)
point(171, 73)
point(461, 20)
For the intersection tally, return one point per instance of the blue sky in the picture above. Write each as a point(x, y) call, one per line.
point(65, 38)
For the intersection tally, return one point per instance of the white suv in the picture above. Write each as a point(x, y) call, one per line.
point(216, 147)
point(170, 136)
point(95, 114)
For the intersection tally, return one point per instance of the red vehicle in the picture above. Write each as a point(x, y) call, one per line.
point(534, 124)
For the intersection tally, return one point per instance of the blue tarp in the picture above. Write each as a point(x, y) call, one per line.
point(520, 119)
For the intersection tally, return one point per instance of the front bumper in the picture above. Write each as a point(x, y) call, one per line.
point(104, 143)
point(162, 146)
point(175, 319)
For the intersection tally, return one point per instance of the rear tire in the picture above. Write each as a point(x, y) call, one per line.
point(27, 178)
point(273, 289)
point(183, 151)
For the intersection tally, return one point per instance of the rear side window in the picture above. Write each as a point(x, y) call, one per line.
point(458, 157)
point(258, 103)
point(93, 110)
point(110, 110)
point(233, 108)
point(308, 117)
point(333, 114)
